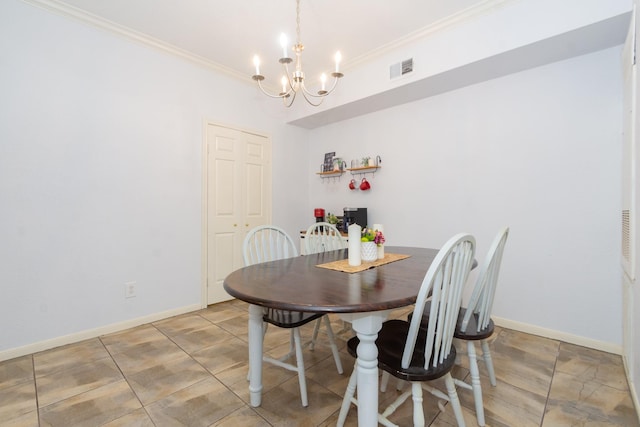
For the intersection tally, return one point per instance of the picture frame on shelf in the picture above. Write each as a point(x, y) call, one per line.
point(328, 161)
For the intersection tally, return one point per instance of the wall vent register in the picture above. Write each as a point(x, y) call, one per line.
point(401, 68)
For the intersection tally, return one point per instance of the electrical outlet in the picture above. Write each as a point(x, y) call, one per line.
point(130, 289)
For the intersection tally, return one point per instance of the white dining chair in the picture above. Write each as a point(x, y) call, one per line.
point(419, 355)
point(474, 322)
point(323, 237)
point(269, 243)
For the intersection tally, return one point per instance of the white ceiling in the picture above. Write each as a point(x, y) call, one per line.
point(229, 33)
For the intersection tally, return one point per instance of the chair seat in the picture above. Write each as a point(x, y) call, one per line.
point(471, 334)
point(390, 343)
point(289, 319)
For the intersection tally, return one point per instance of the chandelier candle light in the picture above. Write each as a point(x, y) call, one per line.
point(294, 82)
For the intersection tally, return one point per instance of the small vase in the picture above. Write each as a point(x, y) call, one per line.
point(380, 252)
point(369, 251)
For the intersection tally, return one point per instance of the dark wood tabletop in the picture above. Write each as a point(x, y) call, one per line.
point(297, 284)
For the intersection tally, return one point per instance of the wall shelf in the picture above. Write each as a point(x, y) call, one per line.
point(330, 174)
point(363, 170)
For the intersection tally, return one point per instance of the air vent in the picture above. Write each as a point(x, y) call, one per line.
point(401, 68)
point(626, 236)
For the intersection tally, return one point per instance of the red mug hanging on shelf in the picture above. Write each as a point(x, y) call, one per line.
point(364, 185)
point(352, 184)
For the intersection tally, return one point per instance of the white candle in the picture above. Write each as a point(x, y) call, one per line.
point(323, 79)
point(256, 62)
point(284, 84)
point(338, 59)
point(355, 233)
point(283, 43)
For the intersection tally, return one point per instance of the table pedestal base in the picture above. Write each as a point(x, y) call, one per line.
point(367, 326)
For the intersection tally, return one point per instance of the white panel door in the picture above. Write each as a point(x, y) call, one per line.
point(238, 199)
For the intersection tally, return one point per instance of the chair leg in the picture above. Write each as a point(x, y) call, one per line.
point(314, 337)
point(300, 364)
point(453, 398)
point(384, 381)
point(488, 361)
point(332, 343)
point(418, 413)
point(348, 395)
point(475, 381)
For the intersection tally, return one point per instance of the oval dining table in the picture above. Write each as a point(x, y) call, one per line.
point(363, 298)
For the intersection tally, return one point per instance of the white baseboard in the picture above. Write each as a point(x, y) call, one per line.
point(92, 333)
point(558, 335)
point(116, 327)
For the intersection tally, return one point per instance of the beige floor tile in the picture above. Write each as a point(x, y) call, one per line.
point(244, 416)
point(237, 326)
point(17, 400)
point(159, 381)
point(16, 371)
point(201, 404)
point(223, 355)
point(588, 402)
point(507, 404)
point(75, 380)
point(131, 338)
point(68, 356)
point(590, 365)
point(137, 418)
point(217, 315)
point(522, 360)
point(147, 354)
point(325, 373)
point(236, 379)
point(197, 339)
point(281, 405)
point(93, 408)
point(182, 324)
point(29, 419)
point(192, 370)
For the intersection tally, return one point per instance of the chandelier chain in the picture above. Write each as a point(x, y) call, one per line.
point(298, 21)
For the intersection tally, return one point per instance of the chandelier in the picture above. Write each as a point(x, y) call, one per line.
point(294, 82)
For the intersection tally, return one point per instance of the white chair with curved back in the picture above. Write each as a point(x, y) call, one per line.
point(474, 322)
point(269, 243)
point(428, 353)
point(323, 237)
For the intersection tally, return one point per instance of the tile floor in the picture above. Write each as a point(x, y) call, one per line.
point(191, 370)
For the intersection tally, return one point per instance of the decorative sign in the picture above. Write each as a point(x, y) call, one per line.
point(327, 166)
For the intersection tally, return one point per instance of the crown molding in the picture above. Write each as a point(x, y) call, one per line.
point(120, 30)
point(80, 15)
point(457, 19)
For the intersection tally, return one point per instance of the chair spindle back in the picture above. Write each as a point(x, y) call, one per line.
point(444, 282)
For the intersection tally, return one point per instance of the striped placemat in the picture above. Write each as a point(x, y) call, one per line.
point(343, 264)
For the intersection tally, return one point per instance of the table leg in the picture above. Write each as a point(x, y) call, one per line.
point(255, 354)
point(367, 326)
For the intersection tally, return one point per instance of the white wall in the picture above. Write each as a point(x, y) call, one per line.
point(538, 151)
point(100, 179)
point(100, 174)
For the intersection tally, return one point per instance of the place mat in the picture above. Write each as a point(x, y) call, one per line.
point(343, 264)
